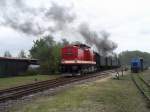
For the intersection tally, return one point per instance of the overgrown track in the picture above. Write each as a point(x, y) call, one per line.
point(142, 85)
point(24, 90)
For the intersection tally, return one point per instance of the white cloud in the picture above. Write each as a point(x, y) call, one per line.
point(127, 20)
point(13, 41)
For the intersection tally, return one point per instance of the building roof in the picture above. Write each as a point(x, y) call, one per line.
point(32, 61)
point(14, 58)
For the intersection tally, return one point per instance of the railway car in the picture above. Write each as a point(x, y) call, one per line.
point(136, 65)
point(115, 62)
point(103, 63)
point(80, 59)
point(98, 61)
point(109, 62)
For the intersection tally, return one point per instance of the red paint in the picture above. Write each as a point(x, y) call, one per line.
point(77, 53)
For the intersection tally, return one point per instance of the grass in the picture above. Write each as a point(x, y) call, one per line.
point(141, 84)
point(99, 96)
point(146, 76)
point(20, 80)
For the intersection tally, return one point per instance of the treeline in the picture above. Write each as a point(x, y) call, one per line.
point(21, 54)
point(127, 56)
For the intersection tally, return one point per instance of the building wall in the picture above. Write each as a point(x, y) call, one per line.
point(12, 67)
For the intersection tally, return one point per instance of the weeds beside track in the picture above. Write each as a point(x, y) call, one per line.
point(142, 85)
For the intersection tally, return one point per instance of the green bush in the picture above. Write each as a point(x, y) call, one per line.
point(30, 73)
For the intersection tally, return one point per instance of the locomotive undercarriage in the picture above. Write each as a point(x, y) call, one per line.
point(73, 70)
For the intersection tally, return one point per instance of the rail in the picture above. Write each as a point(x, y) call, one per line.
point(24, 90)
point(142, 86)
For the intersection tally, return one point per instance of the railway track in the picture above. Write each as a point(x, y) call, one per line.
point(24, 90)
point(142, 86)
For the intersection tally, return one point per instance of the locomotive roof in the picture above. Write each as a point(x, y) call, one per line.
point(137, 59)
point(82, 45)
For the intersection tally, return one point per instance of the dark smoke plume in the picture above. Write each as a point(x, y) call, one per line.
point(33, 21)
point(100, 41)
point(60, 15)
point(19, 16)
point(37, 21)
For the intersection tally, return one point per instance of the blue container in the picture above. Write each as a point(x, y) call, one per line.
point(136, 65)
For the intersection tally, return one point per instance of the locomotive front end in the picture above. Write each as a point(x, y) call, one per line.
point(77, 59)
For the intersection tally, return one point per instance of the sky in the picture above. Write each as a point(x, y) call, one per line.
point(127, 21)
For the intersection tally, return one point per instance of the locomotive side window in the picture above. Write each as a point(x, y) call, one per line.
point(68, 53)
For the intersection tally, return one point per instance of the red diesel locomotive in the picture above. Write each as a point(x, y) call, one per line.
point(80, 59)
point(77, 59)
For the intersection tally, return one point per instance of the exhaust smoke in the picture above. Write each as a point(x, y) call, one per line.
point(99, 40)
point(36, 21)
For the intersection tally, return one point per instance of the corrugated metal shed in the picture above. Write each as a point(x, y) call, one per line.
point(15, 66)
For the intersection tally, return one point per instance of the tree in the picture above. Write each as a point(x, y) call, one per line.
point(7, 54)
point(48, 52)
point(127, 56)
point(22, 54)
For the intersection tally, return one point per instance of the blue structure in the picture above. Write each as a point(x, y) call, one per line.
point(136, 65)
